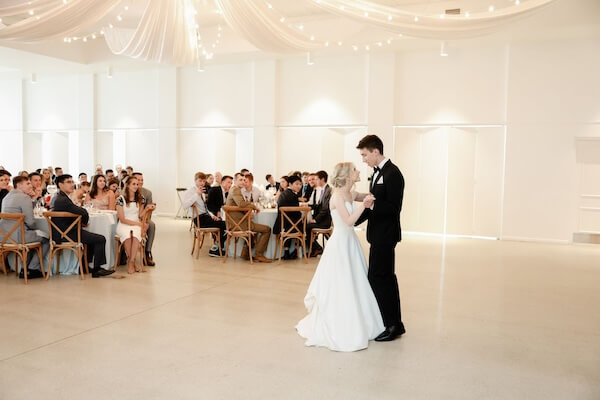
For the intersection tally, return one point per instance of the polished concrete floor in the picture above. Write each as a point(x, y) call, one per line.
point(485, 320)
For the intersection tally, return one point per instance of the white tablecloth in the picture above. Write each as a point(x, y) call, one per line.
point(103, 223)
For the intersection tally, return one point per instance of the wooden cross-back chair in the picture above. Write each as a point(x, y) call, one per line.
point(66, 243)
point(20, 250)
point(200, 232)
point(295, 231)
point(314, 234)
point(142, 247)
point(237, 230)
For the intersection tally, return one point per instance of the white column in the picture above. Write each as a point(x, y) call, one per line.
point(11, 122)
point(265, 132)
point(380, 98)
point(85, 158)
point(164, 195)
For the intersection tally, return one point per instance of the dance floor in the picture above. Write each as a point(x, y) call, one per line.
point(484, 319)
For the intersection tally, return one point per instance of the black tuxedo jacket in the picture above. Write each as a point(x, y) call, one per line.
point(62, 202)
point(321, 212)
point(276, 186)
point(215, 199)
point(286, 199)
point(308, 193)
point(384, 219)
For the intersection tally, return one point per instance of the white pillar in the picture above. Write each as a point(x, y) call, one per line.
point(85, 157)
point(164, 195)
point(380, 98)
point(265, 132)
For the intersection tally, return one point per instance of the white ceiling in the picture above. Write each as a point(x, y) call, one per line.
point(564, 18)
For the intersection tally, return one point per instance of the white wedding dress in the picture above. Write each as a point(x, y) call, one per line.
point(343, 314)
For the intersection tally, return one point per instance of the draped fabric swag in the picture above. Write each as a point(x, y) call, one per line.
point(167, 30)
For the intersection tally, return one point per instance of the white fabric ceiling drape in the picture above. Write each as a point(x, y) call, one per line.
point(16, 7)
point(166, 33)
point(58, 21)
point(261, 26)
point(428, 27)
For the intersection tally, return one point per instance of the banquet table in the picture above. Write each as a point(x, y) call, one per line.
point(102, 222)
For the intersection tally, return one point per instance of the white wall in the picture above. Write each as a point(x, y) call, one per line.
point(330, 92)
point(51, 104)
point(220, 96)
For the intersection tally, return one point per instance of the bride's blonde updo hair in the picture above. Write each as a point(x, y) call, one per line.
point(341, 174)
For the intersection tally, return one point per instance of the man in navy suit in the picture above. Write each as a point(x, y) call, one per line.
point(382, 210)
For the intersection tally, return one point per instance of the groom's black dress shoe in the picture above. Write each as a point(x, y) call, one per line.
point(391, 333)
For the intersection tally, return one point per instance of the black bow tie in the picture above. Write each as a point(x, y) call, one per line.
point(376, 169)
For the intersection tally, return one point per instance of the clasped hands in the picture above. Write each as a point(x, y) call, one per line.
point(369, 200)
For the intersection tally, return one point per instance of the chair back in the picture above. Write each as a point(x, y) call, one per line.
point(296, 227)
point(196, 215)
point(19, 224)
point(75, 225)
point(244, 224)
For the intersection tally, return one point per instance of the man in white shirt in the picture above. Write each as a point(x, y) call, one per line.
point(250, 192)
point(195, 196)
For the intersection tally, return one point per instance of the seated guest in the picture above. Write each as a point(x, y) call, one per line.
point(320, 208)
point(113, 186)
point(37, 192)
point(217, 196)
point(4, 184)
point(288, 198)
point(110, 174)
point(130, 229)
point(210, 180)
point(46, 178)
point(148, 205)
point(18, 201)
point(250, 192)
point(98, 170)
point(129, 170)
point(218, 178)
point(313, 181)
point(82, 178)
point(306, 189)
point(195, 196)
point(244, 171)
point(79, 195)
point(236, 199)
point(122, 175)
point(271, 183)
point(57, 172)
point(24, 174)
point(283, 185)
point(100, 196)
point(96, 244)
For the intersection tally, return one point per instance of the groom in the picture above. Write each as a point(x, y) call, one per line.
point(382, 210)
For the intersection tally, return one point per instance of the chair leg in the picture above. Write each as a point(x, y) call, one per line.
point(227, 248)
point(281, 242)
point(2, 264)
point(41, 258)
point(312, 235)
point(85, 260)
point(16, 264)
point(117, 253)
point(24, 261)
point(276, 247)
point(50, 261)
point(218, 235)
point(58, 253)
point(304, 249)
point(250, 249)
point(194, 242)
point(235, 240)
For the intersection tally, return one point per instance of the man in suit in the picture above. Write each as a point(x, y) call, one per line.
point(96, 244)
point(307, 189)
point(289, 198)
point(320, 207)
point(382, 210)
point(195, 196)
point(236, 199)
point(271, 182)
point(217, 196)
point(250, 192)
point(18, 201)
point(148, 205)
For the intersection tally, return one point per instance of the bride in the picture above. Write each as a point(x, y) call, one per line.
point(342, 310)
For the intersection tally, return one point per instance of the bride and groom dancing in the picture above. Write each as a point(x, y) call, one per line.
point(349, 304)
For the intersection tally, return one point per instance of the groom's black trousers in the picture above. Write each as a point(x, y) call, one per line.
point(384, 283)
